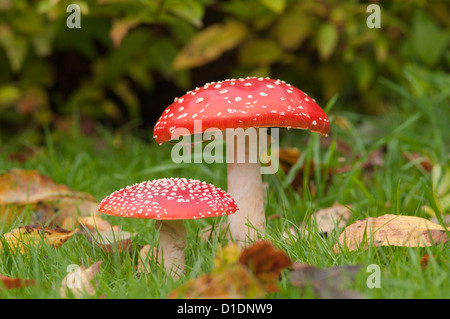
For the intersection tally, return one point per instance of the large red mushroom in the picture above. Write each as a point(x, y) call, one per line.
point(241, 104)
point(170, 201)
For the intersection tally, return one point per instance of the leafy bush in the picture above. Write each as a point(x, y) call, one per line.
point(130, 59)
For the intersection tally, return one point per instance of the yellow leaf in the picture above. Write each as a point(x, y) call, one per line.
point(209, 44)
point(277, 6)
point(328, 37)
point(226, 256)
point(20, 238)
point(291, 38)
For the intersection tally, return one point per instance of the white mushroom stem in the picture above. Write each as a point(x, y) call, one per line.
point(245, 186)
point(172, 242)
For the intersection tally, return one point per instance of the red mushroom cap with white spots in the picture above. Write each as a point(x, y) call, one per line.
point(169, 199)
point(242, 103)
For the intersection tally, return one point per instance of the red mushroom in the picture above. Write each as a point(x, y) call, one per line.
point(170, 201)
point(243, 103)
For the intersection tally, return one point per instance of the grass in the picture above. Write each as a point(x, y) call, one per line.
point(397, 186)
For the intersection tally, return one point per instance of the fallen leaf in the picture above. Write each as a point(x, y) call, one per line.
point(305, 274)
point(329, 219)
point(226, 256)
point(250, 273)
point(20, 238)
point(390, 230)
point(78, 283)
point(51, 203)
point(64, 212)
point(266, 262)
point(445, 220)
point(20, 187)
point(94, 223)
point(326, 282)
point(422, 161)
point(424, 261)
point(11, 283)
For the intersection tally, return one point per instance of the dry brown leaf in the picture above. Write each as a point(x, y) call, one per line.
point(64, 212)
point(422, 161)
point(266, 262)
point(11, 283)
point(94, 223)
point(78, 283)
point(326, 282)
point(21, 187)
point(20, 238)
point(328, 219)
point(424, 261)
point(51, 203)
point(391, 230)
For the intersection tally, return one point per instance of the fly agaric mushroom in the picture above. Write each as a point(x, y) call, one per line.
point(170, 201)
point(243, 103)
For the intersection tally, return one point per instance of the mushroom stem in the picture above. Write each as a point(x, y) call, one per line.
point(172, 242)
point(245, 186)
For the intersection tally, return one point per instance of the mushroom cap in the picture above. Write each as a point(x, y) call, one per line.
point(168, 199)
point(242, 103)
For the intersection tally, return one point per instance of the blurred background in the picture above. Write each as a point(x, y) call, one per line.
point(130, 59)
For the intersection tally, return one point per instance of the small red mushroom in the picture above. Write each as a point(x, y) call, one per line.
point(170, 201)
point(243, 103)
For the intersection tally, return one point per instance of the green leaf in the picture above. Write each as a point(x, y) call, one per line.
point(16, 48)
point(429, 42)
point(162, 52)
point(189, 10)
point(260, 52)
point(276, 6)
point(327, 40)
point(131, 46)
point(292, 37)
point(364, 73)
point(8, 94)
point(209, 44)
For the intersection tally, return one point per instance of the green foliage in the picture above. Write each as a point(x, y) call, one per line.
point(111, 67)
